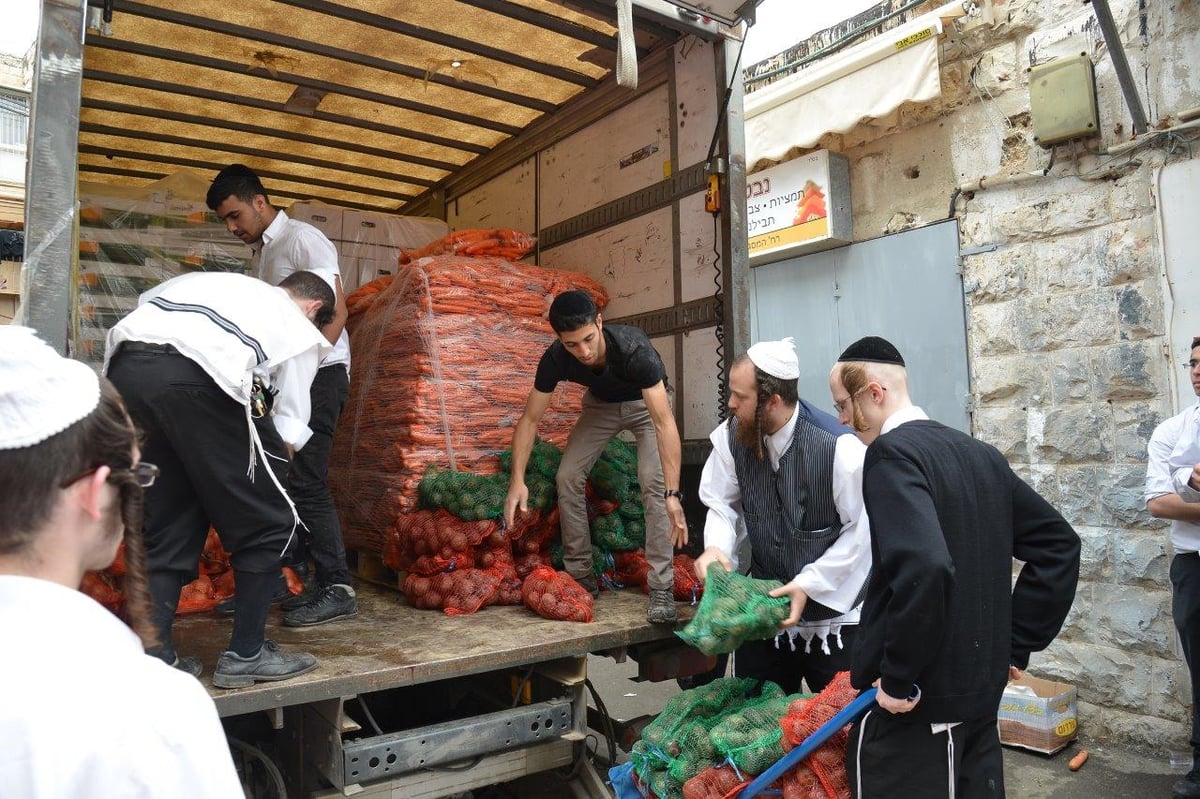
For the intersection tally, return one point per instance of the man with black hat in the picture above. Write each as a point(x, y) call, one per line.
point(789, 476)
point(943, 626)
point(627, 390)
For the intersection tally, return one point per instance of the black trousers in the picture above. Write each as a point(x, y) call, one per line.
point(308, 480)
point(199, 439)
point(763, 661)
point(891, 756)
point(1185, 608)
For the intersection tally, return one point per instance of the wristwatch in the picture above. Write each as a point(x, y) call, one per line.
point(673, 492)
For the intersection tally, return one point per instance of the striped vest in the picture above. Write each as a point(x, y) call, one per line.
point(790, 514)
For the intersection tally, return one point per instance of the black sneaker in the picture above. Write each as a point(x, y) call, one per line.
point(227, 605)
point(589, 584)
point(662, 607)
point(269, 665)
point(301, 599)
point(332, 603)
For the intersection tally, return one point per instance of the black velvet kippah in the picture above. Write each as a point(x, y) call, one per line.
point(872, 349)
point(572, 303)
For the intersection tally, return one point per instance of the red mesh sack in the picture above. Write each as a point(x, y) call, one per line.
point(529, 561)
point(459, 592)
point(718, 782)
point(687, 588)
point(117, 567)
point(631, 569)
point(432, 541)
point(103, 588)
point(533, 532)
point(823, 773)
point(555, 595)
point(197, 596)
point(499, 560)
point(214, 559)
point(421, 396)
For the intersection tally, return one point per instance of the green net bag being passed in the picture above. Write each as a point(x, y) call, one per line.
point(734, 609)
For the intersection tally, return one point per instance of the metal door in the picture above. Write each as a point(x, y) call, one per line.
point(905, 287)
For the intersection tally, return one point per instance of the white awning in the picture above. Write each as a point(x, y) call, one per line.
point(869, 81)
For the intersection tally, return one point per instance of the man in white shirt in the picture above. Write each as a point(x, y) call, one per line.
point(793, 475)
point(215, 369)
point(72, 478)
point(282, 246)
point(1171, 493)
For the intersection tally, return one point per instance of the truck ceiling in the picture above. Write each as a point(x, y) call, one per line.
point(366, 104)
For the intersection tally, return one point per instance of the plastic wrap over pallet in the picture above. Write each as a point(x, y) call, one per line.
point(133, 238)
point(443, 360)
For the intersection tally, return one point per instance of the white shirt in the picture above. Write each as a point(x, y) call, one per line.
point(234, 327)
point(84, 712)
point(289, 245)
point(835, 578)
point(910, 414)
point(1173, 450)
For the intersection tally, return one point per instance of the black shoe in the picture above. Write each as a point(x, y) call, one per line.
point(331, 603)
point(301, 599)
point(270, 664)
point(189, 665)
point(1189, 786)
point(227, 605)
point(589, 584)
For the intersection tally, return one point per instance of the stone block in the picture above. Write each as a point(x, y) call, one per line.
point(1132, 196)
point(995, 329)
point(1140, 310)
point(1045, 214)
point(1140, 558)
point(976, 228)
point(1074, 500)
point(1095, 555)
point(1130, 727)
point(1133, 618)
point(1129, 371)
point(1127, 251)
point(1134, 422)
point(1012, 379)
point(1170, 689)
point(1070, 375)
point(997, 276)
point(1077, 629)
point(1004, 428)
point(1105, 675)
point(996, 71)
point(1064, 263)
point(1087, 318)
point(1121, 503)
point(1075, 434)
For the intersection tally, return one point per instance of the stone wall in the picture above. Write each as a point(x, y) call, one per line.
point(1066, 327)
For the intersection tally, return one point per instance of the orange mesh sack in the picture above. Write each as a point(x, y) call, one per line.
point(424, 393)
point(499, 560)
point(823, 773)
point(555, 595)
point(631, 569)
point(432, 541)
point(686, 587)
point(715, 783)
point(496, 242)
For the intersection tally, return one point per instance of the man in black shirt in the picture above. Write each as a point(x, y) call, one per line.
point(943, 626)
point(627, 390)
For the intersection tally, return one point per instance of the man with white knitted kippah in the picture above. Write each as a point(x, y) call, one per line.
point(788, 478)
point(72, 478)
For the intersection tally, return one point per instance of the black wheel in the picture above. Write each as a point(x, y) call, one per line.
point(261, 778)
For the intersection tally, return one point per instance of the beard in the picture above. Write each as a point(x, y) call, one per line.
point(748, 433)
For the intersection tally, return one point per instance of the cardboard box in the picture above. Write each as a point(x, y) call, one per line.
point(324, 218)
point(1038, 714)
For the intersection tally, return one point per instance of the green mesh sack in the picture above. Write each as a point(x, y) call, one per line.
point(622, 455)
point(631, 504)
point(734, 609)
point(677, 742)
point(607, 480)
point(608, 532)
point(635, 532)
point(543, 493)
point(544, 459)
point(751, 737)
point(468, 496)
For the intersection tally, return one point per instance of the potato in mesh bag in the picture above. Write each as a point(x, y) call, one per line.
point(734, 609)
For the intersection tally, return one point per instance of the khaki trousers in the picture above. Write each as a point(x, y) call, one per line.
point(598, 423)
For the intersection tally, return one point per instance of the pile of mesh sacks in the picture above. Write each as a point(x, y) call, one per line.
point(710, 742)
point(443, 357)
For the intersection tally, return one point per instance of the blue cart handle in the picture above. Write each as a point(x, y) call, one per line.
point(847, 715)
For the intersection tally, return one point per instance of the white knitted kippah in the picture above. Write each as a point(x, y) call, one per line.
point(776, 358)
point(41, 392)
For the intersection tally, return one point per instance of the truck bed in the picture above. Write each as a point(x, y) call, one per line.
point(392, 645)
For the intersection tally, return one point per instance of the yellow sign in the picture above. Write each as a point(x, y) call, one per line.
point(805, 231)
point(913, 38)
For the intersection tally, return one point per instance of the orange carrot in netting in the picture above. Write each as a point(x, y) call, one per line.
point(423, 392)
point(556, 595)
point(508, 243)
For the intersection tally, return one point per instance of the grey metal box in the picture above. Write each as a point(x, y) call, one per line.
point(1062, 100)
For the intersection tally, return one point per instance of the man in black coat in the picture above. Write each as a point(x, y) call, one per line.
point(943, 626)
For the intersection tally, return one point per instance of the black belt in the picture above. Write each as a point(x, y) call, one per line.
point(145, 346)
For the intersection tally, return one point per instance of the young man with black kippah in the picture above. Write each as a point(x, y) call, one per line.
point(627, 390)
point(943, 625)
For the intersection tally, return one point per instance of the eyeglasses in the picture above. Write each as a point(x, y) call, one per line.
point(144, 474)
point(840, 405)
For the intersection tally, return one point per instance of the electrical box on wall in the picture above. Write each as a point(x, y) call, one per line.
point(798, 207)
point(1062, 100)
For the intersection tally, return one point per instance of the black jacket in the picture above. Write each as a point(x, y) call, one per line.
point(948, 516)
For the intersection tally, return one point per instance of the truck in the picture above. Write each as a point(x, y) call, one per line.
point(610, 130)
